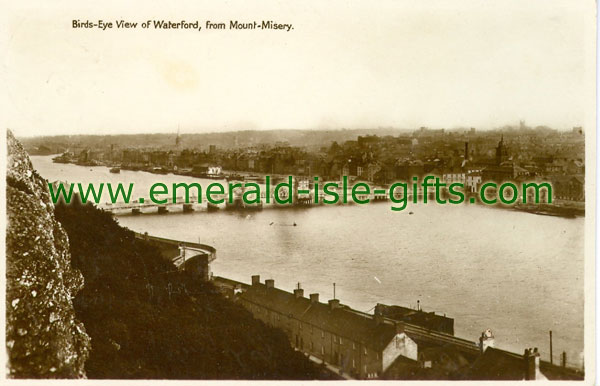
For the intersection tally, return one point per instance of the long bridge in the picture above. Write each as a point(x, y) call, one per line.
point(193, 203)
point(136, 206)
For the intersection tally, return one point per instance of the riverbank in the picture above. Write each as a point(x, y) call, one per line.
point(458, 258)
point(265, 198)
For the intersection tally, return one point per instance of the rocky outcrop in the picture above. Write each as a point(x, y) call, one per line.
point(43, 338)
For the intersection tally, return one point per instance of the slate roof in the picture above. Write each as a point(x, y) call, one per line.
point(341, 321)
point(493, 364)
point(421, 318)
point(497, 364)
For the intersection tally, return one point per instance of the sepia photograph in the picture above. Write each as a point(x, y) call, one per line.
point(299, 191)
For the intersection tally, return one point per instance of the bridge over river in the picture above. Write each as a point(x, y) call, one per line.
point(193, 203)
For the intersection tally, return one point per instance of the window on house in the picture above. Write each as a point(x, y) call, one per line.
point(365, 351)
point(353, 364)
point(323, 350)
point(322, 334)
point(341, 340)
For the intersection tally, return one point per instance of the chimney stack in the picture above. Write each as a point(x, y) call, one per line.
point(298, 293)
point(314, 298)
point(486, 340)
point(255, 279)
point(237, 289)
point(532, 364)
point(399, 327)
point(270, 283)
point(334, 303)
point(378, 315)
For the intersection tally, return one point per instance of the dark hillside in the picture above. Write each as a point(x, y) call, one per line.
point(147, 320)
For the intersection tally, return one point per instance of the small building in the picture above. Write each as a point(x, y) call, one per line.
point(570, 187)
point(208, 170)
point(428, 320)
point(473, 181)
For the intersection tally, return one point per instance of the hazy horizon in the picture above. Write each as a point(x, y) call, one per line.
point(399, 129)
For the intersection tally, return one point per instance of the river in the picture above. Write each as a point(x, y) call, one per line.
point(516, 273)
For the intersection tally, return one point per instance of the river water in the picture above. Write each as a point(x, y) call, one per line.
point(516, 273)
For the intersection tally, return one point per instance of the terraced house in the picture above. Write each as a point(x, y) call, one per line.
point(359, 346)
point(392, 343)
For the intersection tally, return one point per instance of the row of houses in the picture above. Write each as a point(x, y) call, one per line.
point(392, 343)
point(359, 346)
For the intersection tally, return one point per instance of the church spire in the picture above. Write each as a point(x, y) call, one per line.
point(177, 138)
point(501, 151)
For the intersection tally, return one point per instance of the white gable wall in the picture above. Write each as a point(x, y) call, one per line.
point(401, 344)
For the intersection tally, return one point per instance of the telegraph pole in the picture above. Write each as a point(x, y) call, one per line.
point(550, 346)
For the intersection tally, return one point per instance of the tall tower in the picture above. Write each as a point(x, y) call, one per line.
point(178, 139)
point(501, 152)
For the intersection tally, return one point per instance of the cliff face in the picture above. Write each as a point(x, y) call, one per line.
point(43, 338)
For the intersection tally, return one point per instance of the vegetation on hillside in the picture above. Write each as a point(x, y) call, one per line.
point(147, 320)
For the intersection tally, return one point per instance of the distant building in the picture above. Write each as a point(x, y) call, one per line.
point(501, 152)
point(207, 170)
point(178, 140)
point(571, 188)
point(372, 169)
point(452, 177)
point(502, 173)
point(473, 181)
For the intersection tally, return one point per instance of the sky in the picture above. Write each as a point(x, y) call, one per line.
point(344, 65)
